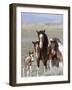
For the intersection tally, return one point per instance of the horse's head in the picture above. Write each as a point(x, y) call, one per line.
point(53, 46)
point(31, 54)
point(41, 31)
point(41, 34)
point(57, 39)
point(36, 47)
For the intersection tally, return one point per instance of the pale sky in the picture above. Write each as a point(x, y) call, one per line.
point(42, 18)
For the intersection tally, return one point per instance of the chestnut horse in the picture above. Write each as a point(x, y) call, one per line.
point(28, 63)
point(37, 54)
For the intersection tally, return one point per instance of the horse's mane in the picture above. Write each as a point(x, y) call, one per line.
point(57, 39)
point(45, 44)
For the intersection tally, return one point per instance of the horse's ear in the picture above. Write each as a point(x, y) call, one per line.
point(32, 52)
point(29, 52)
point(38, 41)
point(33, 42)
point(44, 30)
point(36, 31)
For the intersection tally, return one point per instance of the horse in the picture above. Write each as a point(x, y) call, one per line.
point(37, 53)
point(60, 45)
point(28, 63)
point(54, 53)
point(43, 46)
point(42, 37)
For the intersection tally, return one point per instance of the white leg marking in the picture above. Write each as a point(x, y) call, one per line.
point(27, 73)
point(44, 69)
point(30, 69)
point(37, 71)
point(50, 64)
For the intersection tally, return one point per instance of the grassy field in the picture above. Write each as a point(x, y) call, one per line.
point(28, 34)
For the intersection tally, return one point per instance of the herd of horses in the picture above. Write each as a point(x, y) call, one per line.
point(44, 50)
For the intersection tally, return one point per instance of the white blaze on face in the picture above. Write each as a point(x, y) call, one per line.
point(41, 41)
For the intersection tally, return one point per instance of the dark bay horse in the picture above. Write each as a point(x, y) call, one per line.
point(43, 45)
point(43, 40)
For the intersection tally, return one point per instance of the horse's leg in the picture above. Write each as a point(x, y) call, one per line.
point(45, 65)
point(60, 60)
point(50, 64)
point(23, 71)
point(54, 61)
point(57, 62)
point(37, 71)
point(38, 64)
point(44, 69)
point(30, 70)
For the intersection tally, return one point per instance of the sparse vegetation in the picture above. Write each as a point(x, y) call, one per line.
point(28, 34)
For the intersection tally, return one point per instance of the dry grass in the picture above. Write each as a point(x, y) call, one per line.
point(28, 34)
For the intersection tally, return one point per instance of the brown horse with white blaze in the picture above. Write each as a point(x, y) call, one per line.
point(41, 48)
point(43, 44)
